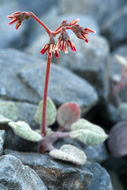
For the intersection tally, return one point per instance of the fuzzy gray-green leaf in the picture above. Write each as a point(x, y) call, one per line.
point(50, 115)
point(69, 153)
point(23, 130)
point(88, 132)
point(8, 110)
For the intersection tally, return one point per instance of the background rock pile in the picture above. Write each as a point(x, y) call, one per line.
point(84, 77)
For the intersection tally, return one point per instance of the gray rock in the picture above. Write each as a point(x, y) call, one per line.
point(116, 182)
point(9, 36)
point(39, 7)
point(97, 153)
point(101, 179)
point(90, 61)
point(115, 29)
point(11, 62)
point(64, 86)
point(26, 112)
point(95, 8)
point(2, 138)
point(55, 174)
point(14, 175)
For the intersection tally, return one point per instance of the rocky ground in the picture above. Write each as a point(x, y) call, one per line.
point(84, 77)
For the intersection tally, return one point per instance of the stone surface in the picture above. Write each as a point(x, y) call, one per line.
point(98, 10)
point(97, 153)
point(9, 36)
point(14, 175)
point(90, 61)
point(2, 137)
point(115, 29)
point(56, 175)
point(64, 86)
point(39, 7)
point(26, 112)
point(101, 179)
point(11, 62)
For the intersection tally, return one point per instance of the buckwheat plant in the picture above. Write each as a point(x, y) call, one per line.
point(68, 115)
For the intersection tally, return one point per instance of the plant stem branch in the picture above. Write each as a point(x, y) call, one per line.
point(45, 93)
point(40, 22)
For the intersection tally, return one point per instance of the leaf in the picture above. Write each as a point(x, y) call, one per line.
point(67, 114)
point(123, 111)
point(23, 130)
point(88, 132)
point(69, 153)
point(8, 110)
point(50, 115)
point(3, 119)
point(117, 141)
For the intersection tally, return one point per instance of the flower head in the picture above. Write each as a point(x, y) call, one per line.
point(81, 32)
point(18, 17)
point(64, 42)
point(50, 48)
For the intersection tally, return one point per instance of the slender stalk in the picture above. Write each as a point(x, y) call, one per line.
point(45, 93)
point(40, 22)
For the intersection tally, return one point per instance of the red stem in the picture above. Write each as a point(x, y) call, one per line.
point(40, 22)
point(43, 127)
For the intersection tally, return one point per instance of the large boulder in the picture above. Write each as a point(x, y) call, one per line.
point(14, 175)
point(115, 29)
point(64, 86)
point(100, 11)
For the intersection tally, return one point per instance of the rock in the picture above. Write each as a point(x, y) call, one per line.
point(14, 175)
point(9, 36)
point(64, 86)
point(55, 174)
point(90, 61)
point(11, 62)
point(100, 13)
point(115, 29)
point(2, 137)
point(101, 179)
point(116, 182)
point(26, 112)
point(97, 153)
point(39, 7)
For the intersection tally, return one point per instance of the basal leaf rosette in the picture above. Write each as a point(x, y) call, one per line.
point(23, 130)
point(88, 132)
point(69, 153)
point(67, 114)
point(50, 112)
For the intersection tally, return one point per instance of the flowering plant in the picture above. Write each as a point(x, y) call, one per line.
point(68, 115)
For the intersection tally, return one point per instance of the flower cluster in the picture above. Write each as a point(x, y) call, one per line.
point(63, 41)
point(18, 17)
